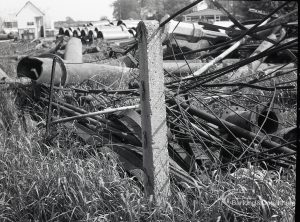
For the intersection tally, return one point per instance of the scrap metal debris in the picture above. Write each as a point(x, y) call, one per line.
point(228, 92)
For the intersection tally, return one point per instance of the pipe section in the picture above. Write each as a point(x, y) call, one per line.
point(192, 32)
point(73, 52)
point(113, 35)
point(39, 70)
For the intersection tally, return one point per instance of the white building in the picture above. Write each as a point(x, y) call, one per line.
point(210, 15)
point(32, 22)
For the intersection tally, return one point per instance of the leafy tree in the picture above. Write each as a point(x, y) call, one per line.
point(124, 9)
point(156, 9)
point(103, 18)
point(241, 8)
point(162, 7)
point(69, 20)
point(172, 6)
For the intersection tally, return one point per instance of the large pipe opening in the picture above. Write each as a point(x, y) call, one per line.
point(120, 22)
point(132, 32)
point(99, 35)
point(92, 34)
point(61, 31)
point(271, 123)
point(68, 33)
point(30, 67)
point(83, 33)
point(76, 33)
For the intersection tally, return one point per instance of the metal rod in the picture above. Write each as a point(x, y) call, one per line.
point(106, 111)
point(50, 97)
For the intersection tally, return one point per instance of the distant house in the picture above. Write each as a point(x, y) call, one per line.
point(210, 15)
point(32, 22)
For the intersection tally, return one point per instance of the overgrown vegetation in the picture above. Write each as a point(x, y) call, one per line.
point(65, 181)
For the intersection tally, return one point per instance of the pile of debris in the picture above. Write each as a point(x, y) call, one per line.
point(221, 111)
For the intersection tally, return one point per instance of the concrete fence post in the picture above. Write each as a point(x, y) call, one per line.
point(153, 108)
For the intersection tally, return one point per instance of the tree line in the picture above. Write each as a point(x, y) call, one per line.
point(147, 9)
point(156, 9)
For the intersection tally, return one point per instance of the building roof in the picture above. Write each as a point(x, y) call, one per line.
point(207, 11)
point(10, 17)
point(28, 4)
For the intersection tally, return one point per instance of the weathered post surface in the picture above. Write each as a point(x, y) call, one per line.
point(153, 107)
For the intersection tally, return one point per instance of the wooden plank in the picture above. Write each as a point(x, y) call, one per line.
point(153, 107)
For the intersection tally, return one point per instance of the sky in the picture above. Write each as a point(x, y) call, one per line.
point(91, 10)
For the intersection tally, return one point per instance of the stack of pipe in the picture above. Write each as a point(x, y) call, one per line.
point(101, 30)
point(114, 33)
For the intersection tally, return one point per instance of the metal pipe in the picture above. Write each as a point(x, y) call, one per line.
point(191, 32)
point(233, 128)
point(286, 135)
point(50, 97)
point(68, 32)
point(218, 58)
point(132, 32)
point(84, 32)
point(39, 70)
point(110, 28)
point(250, 119)
point(105, 111)
point(201, 44)
point(181, 67)
point(129, 23)
point(105, 121)
point(93, 34)
point(73, 52)
point(76, 33)
point(61, 31)
point(114, 35)
point(101, 23)
point(105, 128)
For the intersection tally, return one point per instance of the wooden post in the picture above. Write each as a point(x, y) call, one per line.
point(153, 107)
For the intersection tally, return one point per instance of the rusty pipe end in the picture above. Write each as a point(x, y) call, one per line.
point(30, 67)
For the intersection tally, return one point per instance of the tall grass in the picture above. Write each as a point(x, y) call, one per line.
point(64, 181)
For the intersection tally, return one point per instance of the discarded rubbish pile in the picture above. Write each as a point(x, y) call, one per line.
point(221, 112)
